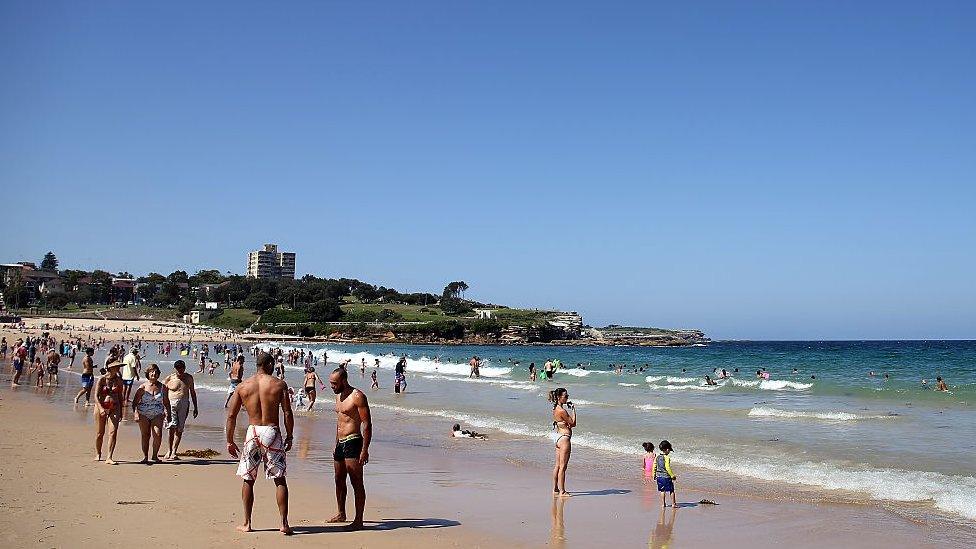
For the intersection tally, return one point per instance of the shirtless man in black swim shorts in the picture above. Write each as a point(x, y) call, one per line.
point(354, 430)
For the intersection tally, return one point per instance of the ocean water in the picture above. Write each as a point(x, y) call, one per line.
point(845, 436)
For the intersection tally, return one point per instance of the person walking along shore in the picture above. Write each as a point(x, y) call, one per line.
point(149, 405)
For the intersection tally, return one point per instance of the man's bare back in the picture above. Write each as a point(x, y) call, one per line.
point(236, 371)
point(262, 395)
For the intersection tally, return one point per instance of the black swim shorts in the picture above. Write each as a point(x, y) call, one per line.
point(350, 449)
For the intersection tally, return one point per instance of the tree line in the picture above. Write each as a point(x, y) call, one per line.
point(314, 299)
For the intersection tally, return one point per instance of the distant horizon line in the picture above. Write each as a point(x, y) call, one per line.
point(836, 340)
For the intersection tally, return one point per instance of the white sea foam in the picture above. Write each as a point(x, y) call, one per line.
point(417, 365)
point(652, 379)
point(511, 384)
point(767, 384)
point(674, 379)
point(651, 407)
point(765, 411)
point(578, 372)
point(627, 384)
point(674, 388)
point(590, 403)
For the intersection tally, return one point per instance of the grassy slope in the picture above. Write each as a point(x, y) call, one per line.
point(410, 313)
point(233, 319)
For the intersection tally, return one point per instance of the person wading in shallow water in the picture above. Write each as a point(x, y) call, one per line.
point(87, 376)
point(310, 378)
point(354, 430)
point(262, 395)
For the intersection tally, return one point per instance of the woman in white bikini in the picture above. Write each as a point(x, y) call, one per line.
point(563, 420)
point(149, 405)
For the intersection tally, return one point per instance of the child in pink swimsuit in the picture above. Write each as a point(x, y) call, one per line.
point(649, 458)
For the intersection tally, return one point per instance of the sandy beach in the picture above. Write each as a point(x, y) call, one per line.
point(424, 490)
point(117, 330)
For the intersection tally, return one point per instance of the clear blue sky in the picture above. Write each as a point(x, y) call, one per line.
point(754, 169)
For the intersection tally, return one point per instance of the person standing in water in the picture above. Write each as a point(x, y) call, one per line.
point(235, 377)
point(130, 371)
point(475, 364)
point(354, 431)
point(53, 359)
point(399, 375)
point(87, 376)
point(310, 378)
point(563, 420)
point(262, 396)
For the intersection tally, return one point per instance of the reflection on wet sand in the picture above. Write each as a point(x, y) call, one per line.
point(304, 442)
point(557, 536)
point(661, 535)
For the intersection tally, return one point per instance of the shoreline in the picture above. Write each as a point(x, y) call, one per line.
point(486, 490)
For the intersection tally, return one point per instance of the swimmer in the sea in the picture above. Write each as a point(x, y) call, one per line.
point(941, 385)
point(709, 381)
point(456, 432)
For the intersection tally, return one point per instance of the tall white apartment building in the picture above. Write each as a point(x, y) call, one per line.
point(270, 263)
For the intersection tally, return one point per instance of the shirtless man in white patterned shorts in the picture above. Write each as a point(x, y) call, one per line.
point(262, 395)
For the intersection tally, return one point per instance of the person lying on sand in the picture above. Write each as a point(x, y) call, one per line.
point(456, 432)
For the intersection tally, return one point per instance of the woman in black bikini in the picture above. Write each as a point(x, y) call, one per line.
point(563, 420)
point(108, 408)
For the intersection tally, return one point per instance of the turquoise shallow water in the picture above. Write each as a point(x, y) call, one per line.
point(844, 434)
